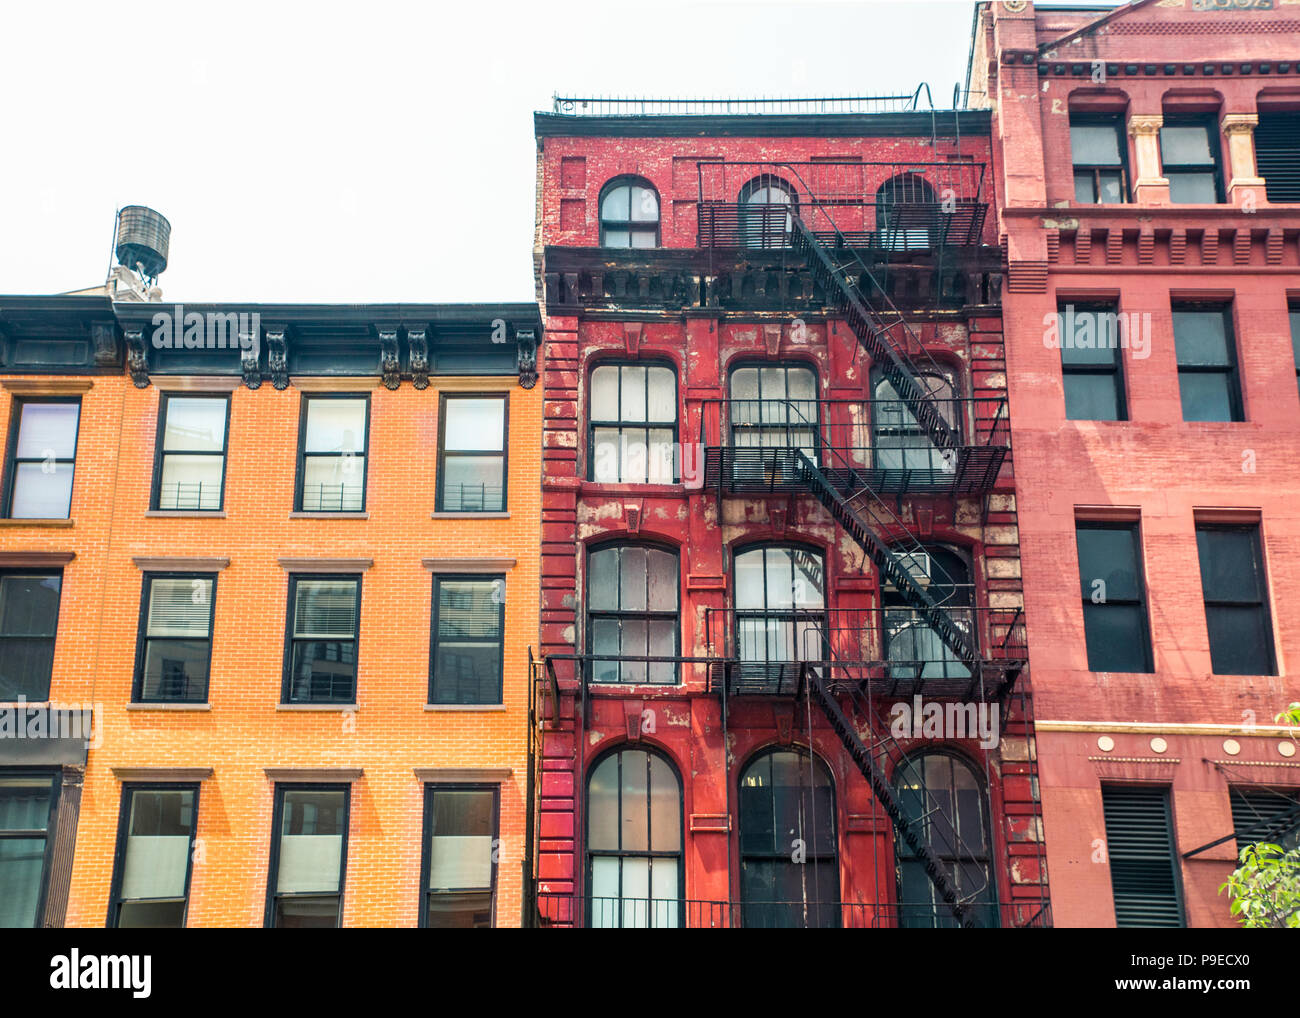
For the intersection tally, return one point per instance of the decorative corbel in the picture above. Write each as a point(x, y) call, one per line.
point(137, 357)
point(632, 513)
point(632, 333)
point(526, 360)
point(104, 336)
point(390, 365)
point(277, 355)
point(418, 341)
point(772, 339)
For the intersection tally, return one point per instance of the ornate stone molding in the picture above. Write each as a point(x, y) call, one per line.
point(337, 775)
point(250, 367)
point(35, 559)
point(277, 355)
point(326, 565)
point(162, 773)
point(390, 364)
point(526, 341)
point(46, 386)
point(137, 356)
point(179, 564)
point(1145, 124)
point(104, 336)
point(464, 775)
point(468, 565)
point(418, 341)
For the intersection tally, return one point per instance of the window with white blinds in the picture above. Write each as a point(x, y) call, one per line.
point(332, 465)
point(467, 644)
point(322, 653)
point(309, 856)
point(191, 468)
point(42, 458)
point(176, 638)
point(460, 824)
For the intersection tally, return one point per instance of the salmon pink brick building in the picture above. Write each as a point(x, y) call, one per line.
point(1146, 175)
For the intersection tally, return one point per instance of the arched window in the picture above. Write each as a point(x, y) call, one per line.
point(634, 841)
point(901, 443)
point(632, 424)
point(911, 644)
point(765, 206)
point(945, 799)
point(780, 606)
point(629, 214)
point(632, 611)
point(906, 213)
point(789, 873)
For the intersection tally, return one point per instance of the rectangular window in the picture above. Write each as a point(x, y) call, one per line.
point(466, 655)
point(1295, 342)
point(29, 618)
point(1265, 814)
point(151, 870)
point(632, 614)
point(175, 646)
point(1207, 363)
point(26, 807)
point(321, 658)
point(309, 850)
point(1236, 600)
point(1100, 154)
point(1140, 846)
point(633, 424)
point(42, 457)
point(459, 868)
point(472, 454)
point(1091, 362)
point(1277, 155)
point(1189, 159)
point(1114, 600)
point(332, 453)
point(191, 465)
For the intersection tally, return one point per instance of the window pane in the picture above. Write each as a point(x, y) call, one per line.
point(1207, 396)
point(1112, 187)
point(459, 911)
point(1186, 146)
point(158, 844)
point(323, 671)
point(335, 425)
point(1089, 336)
point(326, 608)
point(645, 205)
point(175, 670)
point(1094, 144)
point(662, 567)
point(1201, 338)
point(1230, 566)
point(29, 604)
point(462, 824)
point(632, 579)
point(604, 393)
point(1091, 397)
point(744, 383)
point(1241, 642)
point(307, 913)
point(1116, 637)
point(1193, 189)
point(42, 491)
point(22, 862)
point(179, 607)
point(632, 383)
point(642, 239)
point(1109, 554)
point(311, 841)
point(634, 836)
point(195, 425)
point(617, 238)
point(1084, 191)
point(47, 430)
point(473, 484)
point(154, 915)
point(616, 206)
point(333, 483)
point(663, 394)
point(190, 482)
point(602, 806)
point(1295, 338)
point(474, 424)
point(24, 804)
point(749, 580)
point(468, 642)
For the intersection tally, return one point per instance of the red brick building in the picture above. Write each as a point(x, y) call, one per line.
point(1145, 170)
point(777, 502)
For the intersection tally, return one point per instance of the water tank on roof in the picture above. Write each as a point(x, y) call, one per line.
point(143, 236)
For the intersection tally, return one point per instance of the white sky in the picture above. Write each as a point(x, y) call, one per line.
point(373, 151)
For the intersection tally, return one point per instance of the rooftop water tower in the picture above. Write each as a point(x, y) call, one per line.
point(140, 244)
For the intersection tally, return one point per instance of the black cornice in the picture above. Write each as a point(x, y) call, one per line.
point(776, 125)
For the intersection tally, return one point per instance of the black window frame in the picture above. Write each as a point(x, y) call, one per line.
point(1232, 370)
point(1278, 822)
point(1094, 170)
point(1264, 608)
point(1173, 858)
point(1293, 317)
point(160, 454)
point(621, 426)
point(129, 790)
point(630, 225)
point(950, 570)
point(1115, 369)
point(619, 614)
point(791, 615)
point(1134, 529)
point(754, 226)
point(735, 429)
point(11, 453)
point(1209, 122)
point(55, 778)
point(143, 638)
point(431, 788)
point(41, 571)
point(498, 580)
point(289, 638)
point(277, 820)
point(300, 477)
point(950, 408)
point(440, 494)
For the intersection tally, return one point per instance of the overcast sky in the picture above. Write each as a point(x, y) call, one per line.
point(374, 151)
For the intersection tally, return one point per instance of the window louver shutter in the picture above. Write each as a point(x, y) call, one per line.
point(1277, 155)
point(1139, 839)
point(180, 607)
point(326, 609)
point(1262, 815)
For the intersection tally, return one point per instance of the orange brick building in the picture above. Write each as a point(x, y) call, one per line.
point(296, 584)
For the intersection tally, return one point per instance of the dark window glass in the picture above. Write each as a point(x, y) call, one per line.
point(912, 645)
point(1114, 598)
point(308, 856)
point(766, 203)
point(1140, 848)
point(1236, 600)
point(944, 802)
point(332, 465)
point(629, 215)
point(191, 467)
point(29, 617)
point(472, 460)
point(1266, 815)
point(633, 424)
point(1207, 366)
point(1295, 342)
point(460, 848)
point(780, 605)
point(632, 612)
point(1091, 362)
point(175, 638)
point(152, 865)
point(1100, 156)
point(634, 842)
point(322, 655)
point(787, 809)
point(26, 804)
point(468, 639)
point(1277, 155)
point(1189, 158)
point(42, 458)
point(907, 213)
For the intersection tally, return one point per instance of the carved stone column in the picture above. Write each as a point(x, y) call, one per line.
point(1149, 186)
point(1244, 185)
